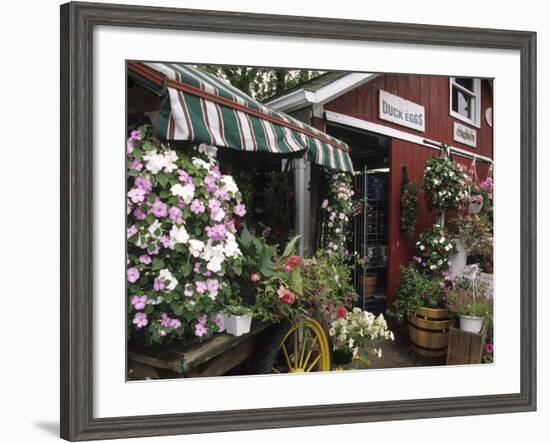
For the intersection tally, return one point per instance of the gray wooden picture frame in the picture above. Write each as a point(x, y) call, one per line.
point(77, 216)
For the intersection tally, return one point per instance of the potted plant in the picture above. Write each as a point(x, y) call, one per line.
point(355, 335)
point(443, 184)
point(408, 204)
point(475, 203)
point(421, 300)
point(237, 319)
point(471, 303)
point(473, 235)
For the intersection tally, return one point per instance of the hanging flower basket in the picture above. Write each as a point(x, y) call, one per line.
point(475, 206)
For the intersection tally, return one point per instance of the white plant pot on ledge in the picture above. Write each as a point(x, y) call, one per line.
point(475, 207)
point(470, 323)
point(237, 324)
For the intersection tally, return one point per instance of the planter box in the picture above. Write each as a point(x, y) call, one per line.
point(465, 348)
point(428, 331)
point(237, 324)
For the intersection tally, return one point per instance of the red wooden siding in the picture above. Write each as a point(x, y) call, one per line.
point(432, 92)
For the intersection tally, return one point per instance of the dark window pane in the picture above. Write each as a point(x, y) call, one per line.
point(462, 103)
point(467, 83)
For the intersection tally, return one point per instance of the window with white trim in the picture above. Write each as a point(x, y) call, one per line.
point(465, 99)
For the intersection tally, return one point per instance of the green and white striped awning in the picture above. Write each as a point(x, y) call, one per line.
point(199, 107)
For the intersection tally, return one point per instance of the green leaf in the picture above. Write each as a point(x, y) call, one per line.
point(186, 269)
point(295, 281)
point(237, 267)
point(162, 178)
point(164, 194)
point(157, 264)
point(246, 238)
point(150, 219)
point(290, 247)
point(265, 264)
point(177, 308)
point(149, 146)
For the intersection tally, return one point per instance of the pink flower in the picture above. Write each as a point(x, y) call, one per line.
point(210, 184)
point(200, 329)
point(145, 259)
point(218, 321)
point(489, 348)
point(159, 209)
point(128, 206)
point(217, 232)
point(188, 290)
point(162, 333)
point(292, 262)
point(135, 134)
point(143, 183)
point(131, 231)
point(201, 287)
point(240, 209)
point(341, 311)
point(165, 320)
point(212, 285)
point(136, 165)
point(196, 207)
point(136, 195)
point(158, 284)
point(175, 323)
point(166, 241)
point(184, 177)
point(139, 214)
point(175, 215)
point(132, 274)
point(140, 319)
point(139, 302)
point(202, 319)
point(286, 295)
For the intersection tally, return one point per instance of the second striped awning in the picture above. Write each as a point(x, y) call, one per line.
point(199, 107)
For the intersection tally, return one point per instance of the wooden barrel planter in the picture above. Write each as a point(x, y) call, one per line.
point(428, 331)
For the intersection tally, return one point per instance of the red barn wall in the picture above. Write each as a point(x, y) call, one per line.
point(432, 92)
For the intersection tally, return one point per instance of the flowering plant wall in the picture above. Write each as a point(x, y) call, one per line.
point(181, 225)
point(443, 184)
point(339, 209)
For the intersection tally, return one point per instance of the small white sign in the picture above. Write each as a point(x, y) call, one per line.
point(401, 112)
point(464, 134)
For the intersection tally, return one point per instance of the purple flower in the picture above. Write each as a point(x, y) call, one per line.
point(197, 267)
point(214, 204)
point(197, 207)
point(131, 231)
point(166, 241)
point(128, 206)
point(201, 287)
point(143, 183)
point(218, 320)
point(132, 274)
point(162, 333)
point(202, 319)
point(417, 259)
point(139, 302)
point(136, 165)
point(222, 195)
point(145, 259)
point(136, 195)
point(135, 135)
point(216, 172)
point(165, 320)
point(129, 146)
point(175, 323)
point(140, 319)
point(216, 232)
point(139, 214)
point(200, 330)
point(210, 184)
point(175, 215)
point(158, 284)
point(212, 285)
point(184, 177)
point(159, 209)
point(240, 209)
point(489, 348)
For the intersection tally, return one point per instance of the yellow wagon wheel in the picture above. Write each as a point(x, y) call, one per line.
point(304, 348)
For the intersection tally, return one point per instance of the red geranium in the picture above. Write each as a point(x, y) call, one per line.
point(292, 262)
point(286, 295)
point(341, 311)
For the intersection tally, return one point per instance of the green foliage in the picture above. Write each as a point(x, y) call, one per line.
point(408, 205)
point(434, 248)
point(465, 299)
point(261, 83)
point(417, 289)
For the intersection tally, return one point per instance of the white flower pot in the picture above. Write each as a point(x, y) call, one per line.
point(469, 323)
point(237, 324)
point(458, 259)
point(475, 207)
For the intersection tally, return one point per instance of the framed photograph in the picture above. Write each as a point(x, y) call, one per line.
point(272, 221)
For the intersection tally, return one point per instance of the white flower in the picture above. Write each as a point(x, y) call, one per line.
point(168, 279)
point(199, 163)
point(195, 247)
point(153, 228)
point(342, 216)
point(209, 150)
point(215, 264)
point(218, 215)
point(231, 247)
point(422, 247)
point(228, 184)
point(442, 240)
point(156, 162)
point(186, 192)
point(179, 234)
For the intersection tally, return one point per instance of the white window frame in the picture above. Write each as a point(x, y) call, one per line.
point(476, 97)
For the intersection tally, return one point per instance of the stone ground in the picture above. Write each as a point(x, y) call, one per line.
point(397, 354)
